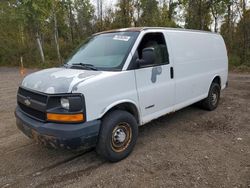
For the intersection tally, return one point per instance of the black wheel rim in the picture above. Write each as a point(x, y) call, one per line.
point(121, 137)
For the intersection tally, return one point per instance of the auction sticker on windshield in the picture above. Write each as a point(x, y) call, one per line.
point(121, 37)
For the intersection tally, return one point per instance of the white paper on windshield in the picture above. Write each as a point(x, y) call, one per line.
point(121, 37)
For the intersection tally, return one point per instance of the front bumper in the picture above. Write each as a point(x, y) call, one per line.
point(56, 135)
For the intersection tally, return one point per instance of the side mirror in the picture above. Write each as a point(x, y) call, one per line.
point(148, 57)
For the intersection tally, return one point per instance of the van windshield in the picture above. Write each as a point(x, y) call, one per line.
point(106, 51)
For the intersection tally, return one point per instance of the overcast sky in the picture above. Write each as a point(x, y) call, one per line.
point(106, 3)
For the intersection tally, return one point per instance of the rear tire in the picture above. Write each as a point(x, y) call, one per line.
point(213, 98)
point(118, 135)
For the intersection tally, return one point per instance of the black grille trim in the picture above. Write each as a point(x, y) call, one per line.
point(40, 116)
point(36, 105)
point(37, 108)
point(35, 96)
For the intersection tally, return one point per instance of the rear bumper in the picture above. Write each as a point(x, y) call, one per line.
point(56, 135)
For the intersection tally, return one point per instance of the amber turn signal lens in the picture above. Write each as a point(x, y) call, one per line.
point(65, 117)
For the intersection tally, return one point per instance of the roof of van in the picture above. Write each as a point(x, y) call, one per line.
point(139, 29)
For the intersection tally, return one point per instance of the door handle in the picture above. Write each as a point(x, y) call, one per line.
point(171, 72)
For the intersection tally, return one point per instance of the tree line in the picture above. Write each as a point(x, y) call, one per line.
point(44, 32)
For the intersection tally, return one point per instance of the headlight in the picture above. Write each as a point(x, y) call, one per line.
point(65, 103)
point(69, 108)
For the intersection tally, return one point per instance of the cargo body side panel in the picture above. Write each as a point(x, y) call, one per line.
point(198, 58)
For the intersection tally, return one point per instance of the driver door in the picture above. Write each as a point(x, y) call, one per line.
point(155, 83)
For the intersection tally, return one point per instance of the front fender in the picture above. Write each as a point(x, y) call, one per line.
point(114, 104)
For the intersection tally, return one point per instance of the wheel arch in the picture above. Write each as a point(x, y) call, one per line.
point(127, 105)
point(216, 79)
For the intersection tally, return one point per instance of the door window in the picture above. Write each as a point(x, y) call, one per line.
point(157, 42)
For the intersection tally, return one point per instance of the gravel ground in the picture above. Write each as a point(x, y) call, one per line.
point(189, 148)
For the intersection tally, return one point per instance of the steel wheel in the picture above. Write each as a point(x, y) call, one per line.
point(117, 136)
point(212, 100)
point(214, 97)
point(121, 137)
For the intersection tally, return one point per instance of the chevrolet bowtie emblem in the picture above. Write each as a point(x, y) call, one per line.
point(27, 101)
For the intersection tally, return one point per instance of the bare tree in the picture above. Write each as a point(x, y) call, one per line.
point(56, 33)
point(100, 10)
point(39, 44)
point(218, 9)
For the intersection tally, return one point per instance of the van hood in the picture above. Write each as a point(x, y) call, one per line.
point(57, 80)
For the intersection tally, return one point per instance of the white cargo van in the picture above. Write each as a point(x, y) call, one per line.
point(118, 80)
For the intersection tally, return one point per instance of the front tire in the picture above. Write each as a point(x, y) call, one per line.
point(213, 98)
point(117, 136)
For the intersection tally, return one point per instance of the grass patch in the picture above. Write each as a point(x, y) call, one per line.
point(240, 69)
point(47, 64)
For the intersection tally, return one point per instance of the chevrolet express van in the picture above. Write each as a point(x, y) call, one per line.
point(118, 80)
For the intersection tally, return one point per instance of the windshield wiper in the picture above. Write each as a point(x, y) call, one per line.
point(84, 66)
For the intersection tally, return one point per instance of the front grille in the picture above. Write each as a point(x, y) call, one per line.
point(36, 108)
point(36, 96)
point(32, 112)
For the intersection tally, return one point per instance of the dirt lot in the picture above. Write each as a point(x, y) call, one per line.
point(190, 148)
